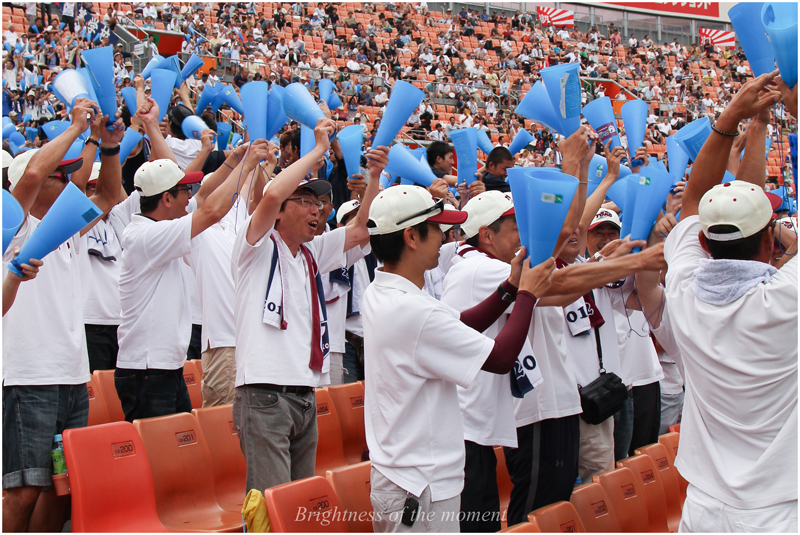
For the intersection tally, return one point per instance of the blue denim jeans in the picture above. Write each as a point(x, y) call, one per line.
point(149, 393)
point(32, 416)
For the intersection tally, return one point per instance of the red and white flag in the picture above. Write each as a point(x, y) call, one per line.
point(556, 17)
point(719, 37)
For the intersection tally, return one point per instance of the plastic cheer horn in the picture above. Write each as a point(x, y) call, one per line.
point(307, 140)
point(746, 20)
point(100, 64)
point(780, 21)
point(465, 141)
point(174, 65)
point(69, 86)
point(228, 96)
point(53, 129)
point(236, 139)
point(207, 98)
point(13, 216)
point(350, 141)
point(629, 195)
point(692, 136)
point(129, 95)
point(634, 117)
point(299, 105)
point(327, 94)
point(70, 212)
point(404, 100)
point(191, 66)
point(541, 202)
point(521, 140)
point(223, 134)
point(8, 129)
point(484, 143)
point(156, 62)
point(192, 126)
point(88, 77)
point(536, 107)
point(678, 159)
point(128, 143)
point(564, 90)
point(618, 192)
point(600, 115)
point(162, 83)
point(402, 162)
point(276, 117)
point(255, 96)
point(651, 186)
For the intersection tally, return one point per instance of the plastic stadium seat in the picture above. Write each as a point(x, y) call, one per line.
point(670, 480)
point(349, 402)
point(110, 480)
point(676, 428)
point(557, 517)
point(308, 505)
point(670, 441)
point(595, 508)
point(193, 378)
point(351, 484)
point(183, 476)
point(504, 484)
point(626, 496)
point(104, 379)
point(644, 467)
point(522, 527)
point(227, 459)
point(330, 454)
point(98, 413)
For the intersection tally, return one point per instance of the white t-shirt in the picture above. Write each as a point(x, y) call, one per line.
point(185, 150)
point(420, 349)
point(44, 340)
point(155, 294)
point(265, 354)
point(487, 405)
point(739, 425)
point(670, 357)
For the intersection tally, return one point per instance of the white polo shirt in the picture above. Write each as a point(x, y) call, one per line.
point(670, 359)
point(487, 405)
point(416, 350)
point(44, 340)
point(266, 354)
point(739, 425)
point(155, 294)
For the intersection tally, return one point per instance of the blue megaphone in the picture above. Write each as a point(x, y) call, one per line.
point(128, 143)
point(780, 21)
point(70, 212)
point(228, 96)
point(69, 86)
point(327, 94)
point(88, 78)
point(634, 117)
point(678, 159)
point(651, 188)
point(465, 142)
point(174, 65)
point(350, 141)
point(600, 115)
point(618, 192)
point(564, 90)
point(30, 133)
point(207, 98)
point(236, 139)
point(276, 117)
point(402, 162)
point(307, 140)
point(521, 140)
point(13, 216)
point(299, 105)
point(404, 100)
point(192, 126)
point(536, 107)
point(156, 62)
point(693, 136)
point(162, 83)
point(223, 135)
point(255, 96)
point(191, 66)
point(129, 95)
point(8, 129)
point(745, 18)
point(100, 64)
point(484, 143)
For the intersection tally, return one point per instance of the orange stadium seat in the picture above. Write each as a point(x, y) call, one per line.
point(192, 377)
point(595, 508)
point(625, 493)
point(98, 413)
point(314, 498)
point(670, 441)
point(557, 517)
point(330, 453)
point(504, 484)
point(670, 480)
point(349, 402)
point(644, 467)
point(352, 485)
point(104, 379)
point(522, 527)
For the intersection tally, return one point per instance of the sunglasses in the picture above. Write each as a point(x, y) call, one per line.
point(438, 205)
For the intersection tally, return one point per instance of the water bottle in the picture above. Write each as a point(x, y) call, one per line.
point(59, 464)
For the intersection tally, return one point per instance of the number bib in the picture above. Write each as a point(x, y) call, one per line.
point(577, 316)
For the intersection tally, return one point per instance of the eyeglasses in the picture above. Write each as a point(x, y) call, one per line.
point(438, 205)
point(305, 201)
point(183, 188)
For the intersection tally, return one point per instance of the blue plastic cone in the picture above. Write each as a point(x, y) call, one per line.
point(299, 105)
point(541, 202)
point(100, 63)
point(192, 126)
point(207, 98)
point(678, 159)
point(236, 139)
point(129, 95)
point(255, 96)
point(13, 216)
point(70, 212)
point(521, 140)
point(536, 107)
point(631, 185)
point(484, 143)
point(174, 65)
point(465, 142)
point(88, 85)
point(53, 129)
point(30, 133)
point(223, 135)
point(129, 142)
point(692, 136)
point(327, 94)
point(404, 100)
point(191, 67)
point(162, 83)
point(156, 62)
point(229, 97)
point(403, 163)
point(634, 117)
point(617, 191)
point(8, 129)
point(564, 90)
point(70, 85)
point(75, 150)
point(745, 18)
point(307, 140)
point(350, 141)
point(600, 115)
point(652, 188)
point(780, 21)
point(276, 117)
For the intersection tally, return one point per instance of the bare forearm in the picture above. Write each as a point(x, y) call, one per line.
point(109, 183)
point(81, 176)
point(580, 278)
point(709, 168)
point(753, 168)
point(158, 145)
point(199, 161)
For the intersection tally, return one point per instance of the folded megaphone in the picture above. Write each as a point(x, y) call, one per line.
point(207, 98)
point(564, 90)
point(327, 94)
point(634, 117)
point(404, 100)
point(307, 140)
point(536, 107)
point(404, 164)
point(255, 97)
point(100, 64)
point(600, 115)
point(228, 96)
point(350, 141)
point(693, 136)
point(276, 117)
point(521, 140)
point(484, 143)
point(780, 21)
point(129, 95)
point(193, 126)
point(156, 62)
point(465, 142)
point(746, 21)
point(299, 105)
point(223, 135)
point(162, 83)
point(678, 159)
point(191, 66)
point(128, 143)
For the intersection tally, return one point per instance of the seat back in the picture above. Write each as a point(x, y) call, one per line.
point(349, 402)
point(670, 480)
point(308, 505)
point(626, 496)
point(644, 467)
point(522, 527)
point(675, 428)
point(98, 413)
point(557, 517)
point(504, 484)
point(330, 454)
point(352, 485)
point(104, 380)
point(595, 508)
point(192, 377)
point(670, 441)
point(110, 479)
point(227, 459)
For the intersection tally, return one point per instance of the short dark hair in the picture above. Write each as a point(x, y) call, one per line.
point(499, 154)
point(389, 247)
point(494, 227)
point(292, 137)
point(149, 204)
point(437, 149)
point(742, 249)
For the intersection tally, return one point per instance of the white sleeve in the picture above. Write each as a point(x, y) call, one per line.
point(683, 252)
point(666, 338)
point(124, 211)
point(329, 251)
point(163, 241)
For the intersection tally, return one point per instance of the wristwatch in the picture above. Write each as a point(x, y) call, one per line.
point(109, 151)
point(93, 142)
point(504, 295)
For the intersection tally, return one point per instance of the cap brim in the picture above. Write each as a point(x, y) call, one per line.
point(595, 225)
point(319, 187)
point(448, 217)
point(774, 200)
point(70, 166)
point(191, 178)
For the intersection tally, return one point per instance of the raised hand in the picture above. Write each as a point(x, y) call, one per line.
point(377, 159)
point(537, 280)
point(111, 137)
point(438, 188)
point(516, 268)
point(149, 114)
point(357, 185)
point(614, 158)
point(83, 113)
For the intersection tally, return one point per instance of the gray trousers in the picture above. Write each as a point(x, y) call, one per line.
point(277, 434)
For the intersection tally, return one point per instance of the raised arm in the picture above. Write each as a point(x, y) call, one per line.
point(753, 168)
point(208, 140)
point(577, 150)
point(356, 229)
point(109, 182)
point(614, 158)
point(158, 145)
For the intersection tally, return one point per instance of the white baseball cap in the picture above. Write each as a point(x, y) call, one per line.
point(95, 172)
point(605, 216)
point(346, 208)
point(158, 176)
point(447, 207)
point(7, 158)
point(400, 207)
point(485, 209)
point(739, 204)
point(20, 163)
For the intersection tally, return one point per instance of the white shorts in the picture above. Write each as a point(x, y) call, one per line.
point(704, 514)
